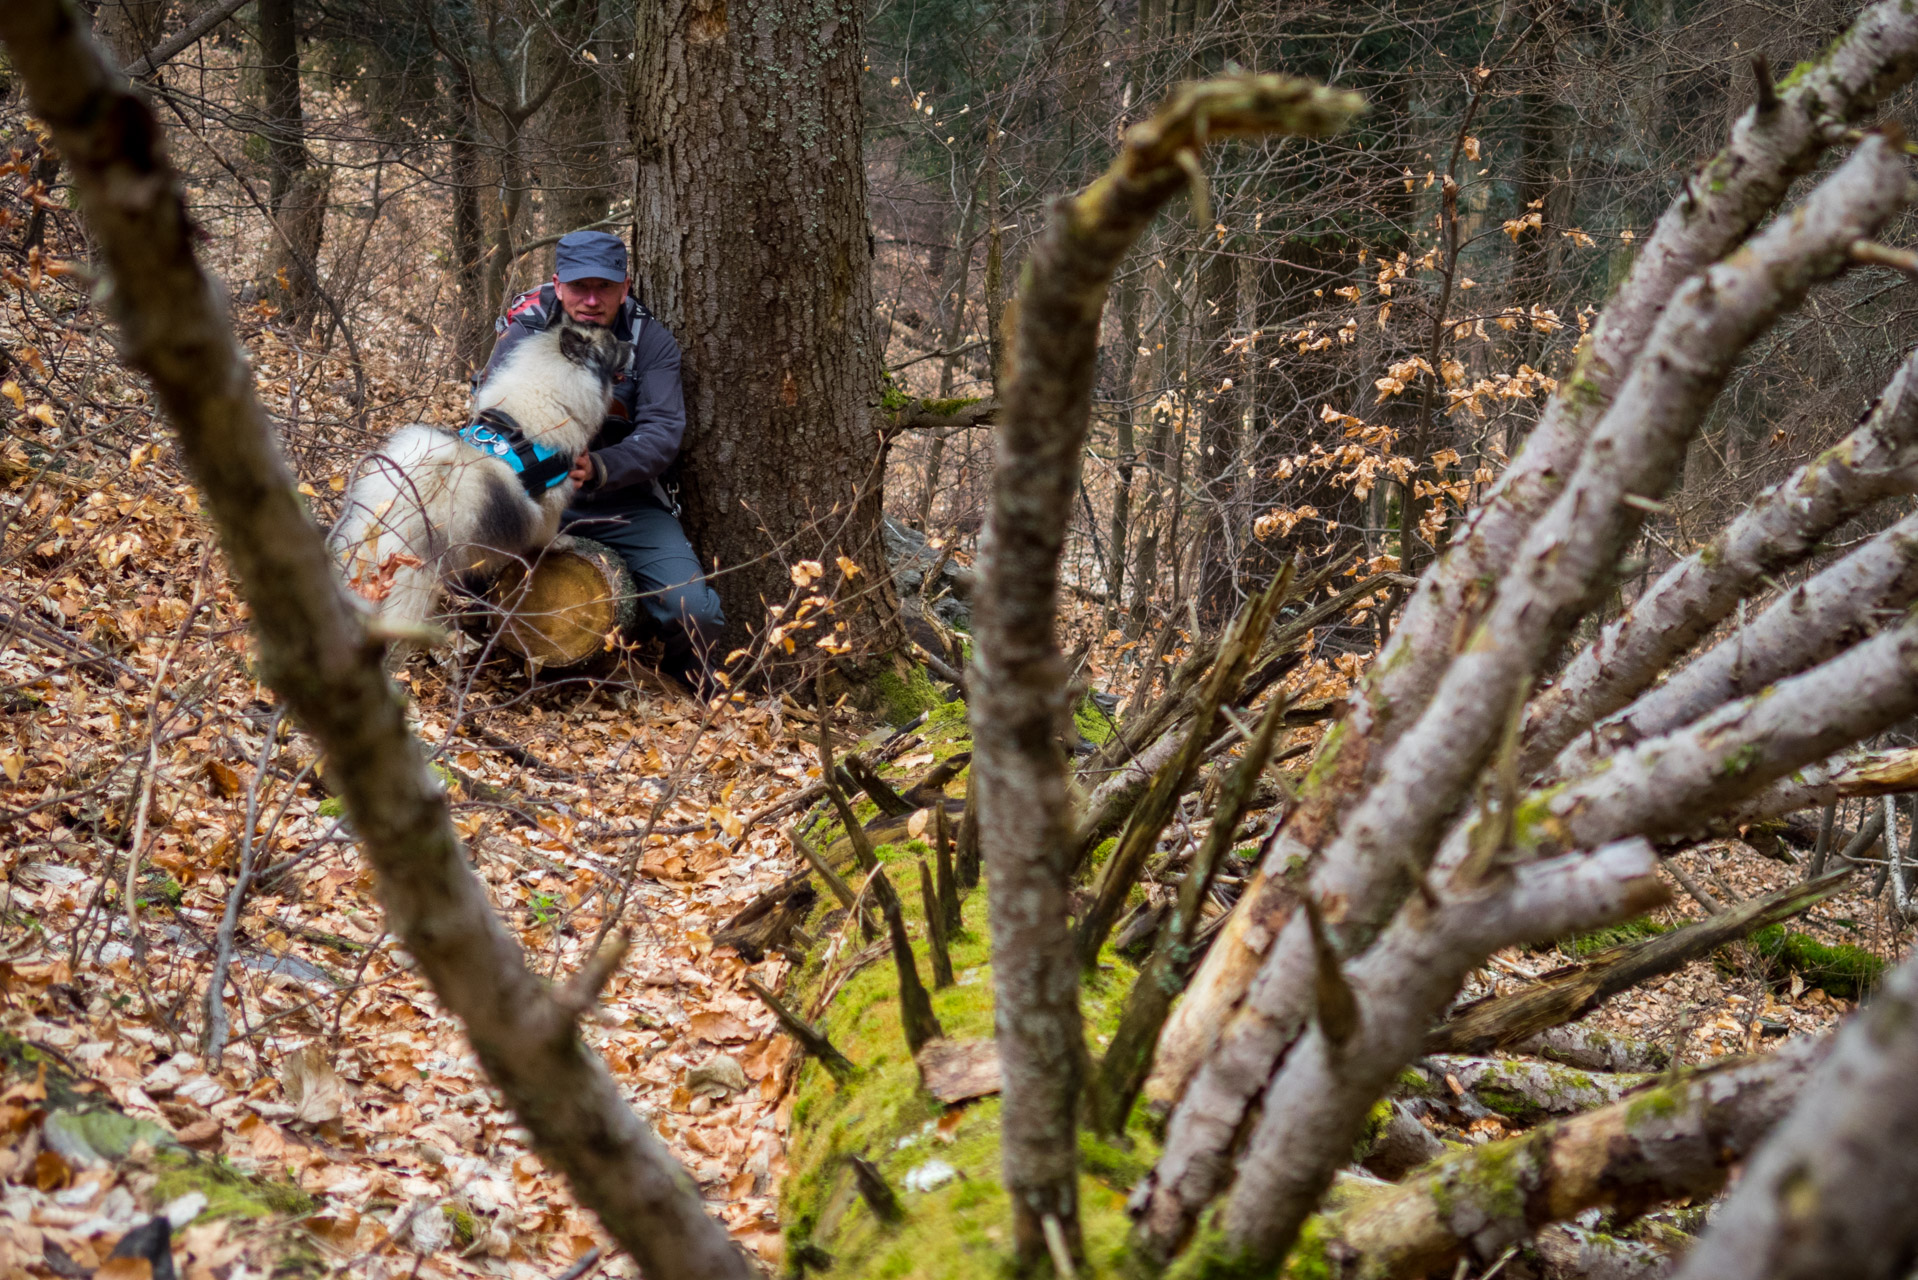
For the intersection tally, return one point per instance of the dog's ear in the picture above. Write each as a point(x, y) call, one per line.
point(575, 345)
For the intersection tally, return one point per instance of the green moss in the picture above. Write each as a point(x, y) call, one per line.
point(1375, 1121)
point(1492, 1175)
point(1616, 935)
point(1740, 760)
point(462, 1221)
point(1094, 725)
point(229, 1193)
point(332, 807)
point(902, 696)
point(946, 408)
point(947, 713)
point(1842, 970)
point(892, 397)
point(1653, 1104)
point(1533, 821)
point(957, 1231)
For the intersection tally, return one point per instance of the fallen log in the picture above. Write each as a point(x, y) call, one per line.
point(1666, 1143)
point(1594, 1050)
point(1569, 993)
point(1519, 1090)
point(562, 611)
point(1573, 1253)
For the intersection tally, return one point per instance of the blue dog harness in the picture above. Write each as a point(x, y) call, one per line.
point(539, 468)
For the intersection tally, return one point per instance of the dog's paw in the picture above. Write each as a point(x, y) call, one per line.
point(563, 542)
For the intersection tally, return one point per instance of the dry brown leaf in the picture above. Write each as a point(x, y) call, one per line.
point(314, 1089)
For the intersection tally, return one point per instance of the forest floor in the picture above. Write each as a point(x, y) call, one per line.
point(130, 720)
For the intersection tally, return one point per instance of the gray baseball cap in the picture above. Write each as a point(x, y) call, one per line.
point(589, 255)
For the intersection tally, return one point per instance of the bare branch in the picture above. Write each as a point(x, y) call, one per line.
point(1020, 775)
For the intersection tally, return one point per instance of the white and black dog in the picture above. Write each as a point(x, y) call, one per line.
point(433, 503)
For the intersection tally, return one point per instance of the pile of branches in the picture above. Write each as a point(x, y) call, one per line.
point(1483, 790)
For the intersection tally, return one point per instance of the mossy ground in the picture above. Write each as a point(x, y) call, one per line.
point(229, 1193)
point(903, 694)
point(958, 1229)
point(1094, 725)
point(1844, 971)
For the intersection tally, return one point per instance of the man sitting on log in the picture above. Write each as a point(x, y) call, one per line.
point(621, 501)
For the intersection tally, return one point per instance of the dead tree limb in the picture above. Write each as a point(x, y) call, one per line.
point(316, 655)
point(1811, 623)
point(1148, 819)
point(1019, 677)
point(916, 1017)
point(1312, 1110)
point(1129, 1058)
point(1387, 835)
point(935, 929)
point(809, 1037)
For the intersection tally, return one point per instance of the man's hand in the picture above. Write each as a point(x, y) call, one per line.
point(582, 471)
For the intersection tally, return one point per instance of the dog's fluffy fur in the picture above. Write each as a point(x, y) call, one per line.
point(428, 505)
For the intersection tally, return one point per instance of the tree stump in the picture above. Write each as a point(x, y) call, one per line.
point(559, 613)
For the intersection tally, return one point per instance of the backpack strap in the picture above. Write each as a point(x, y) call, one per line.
point(539, 468)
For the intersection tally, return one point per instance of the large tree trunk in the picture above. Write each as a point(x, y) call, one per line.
point(753, 248)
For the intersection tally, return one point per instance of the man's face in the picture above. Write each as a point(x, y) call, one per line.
point(592, 300)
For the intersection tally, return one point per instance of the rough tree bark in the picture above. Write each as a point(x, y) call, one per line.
point(316, 654)
point(752, 247)
point(1681, 1139)
point(1026, 820)
point(1877, 460)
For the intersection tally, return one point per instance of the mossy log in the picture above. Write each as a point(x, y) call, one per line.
point(562, 612)
point(1678, 1140)
point(1594, 1050)
point(1520, 1091)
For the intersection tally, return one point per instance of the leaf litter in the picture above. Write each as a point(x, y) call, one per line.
point(128, 711)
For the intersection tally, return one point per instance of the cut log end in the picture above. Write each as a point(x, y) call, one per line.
point(559, 613)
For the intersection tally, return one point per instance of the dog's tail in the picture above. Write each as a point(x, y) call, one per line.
point(388, 540)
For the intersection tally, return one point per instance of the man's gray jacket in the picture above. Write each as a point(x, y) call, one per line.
point(647, 420)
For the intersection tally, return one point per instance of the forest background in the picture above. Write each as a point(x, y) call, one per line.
point(1327, 355)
